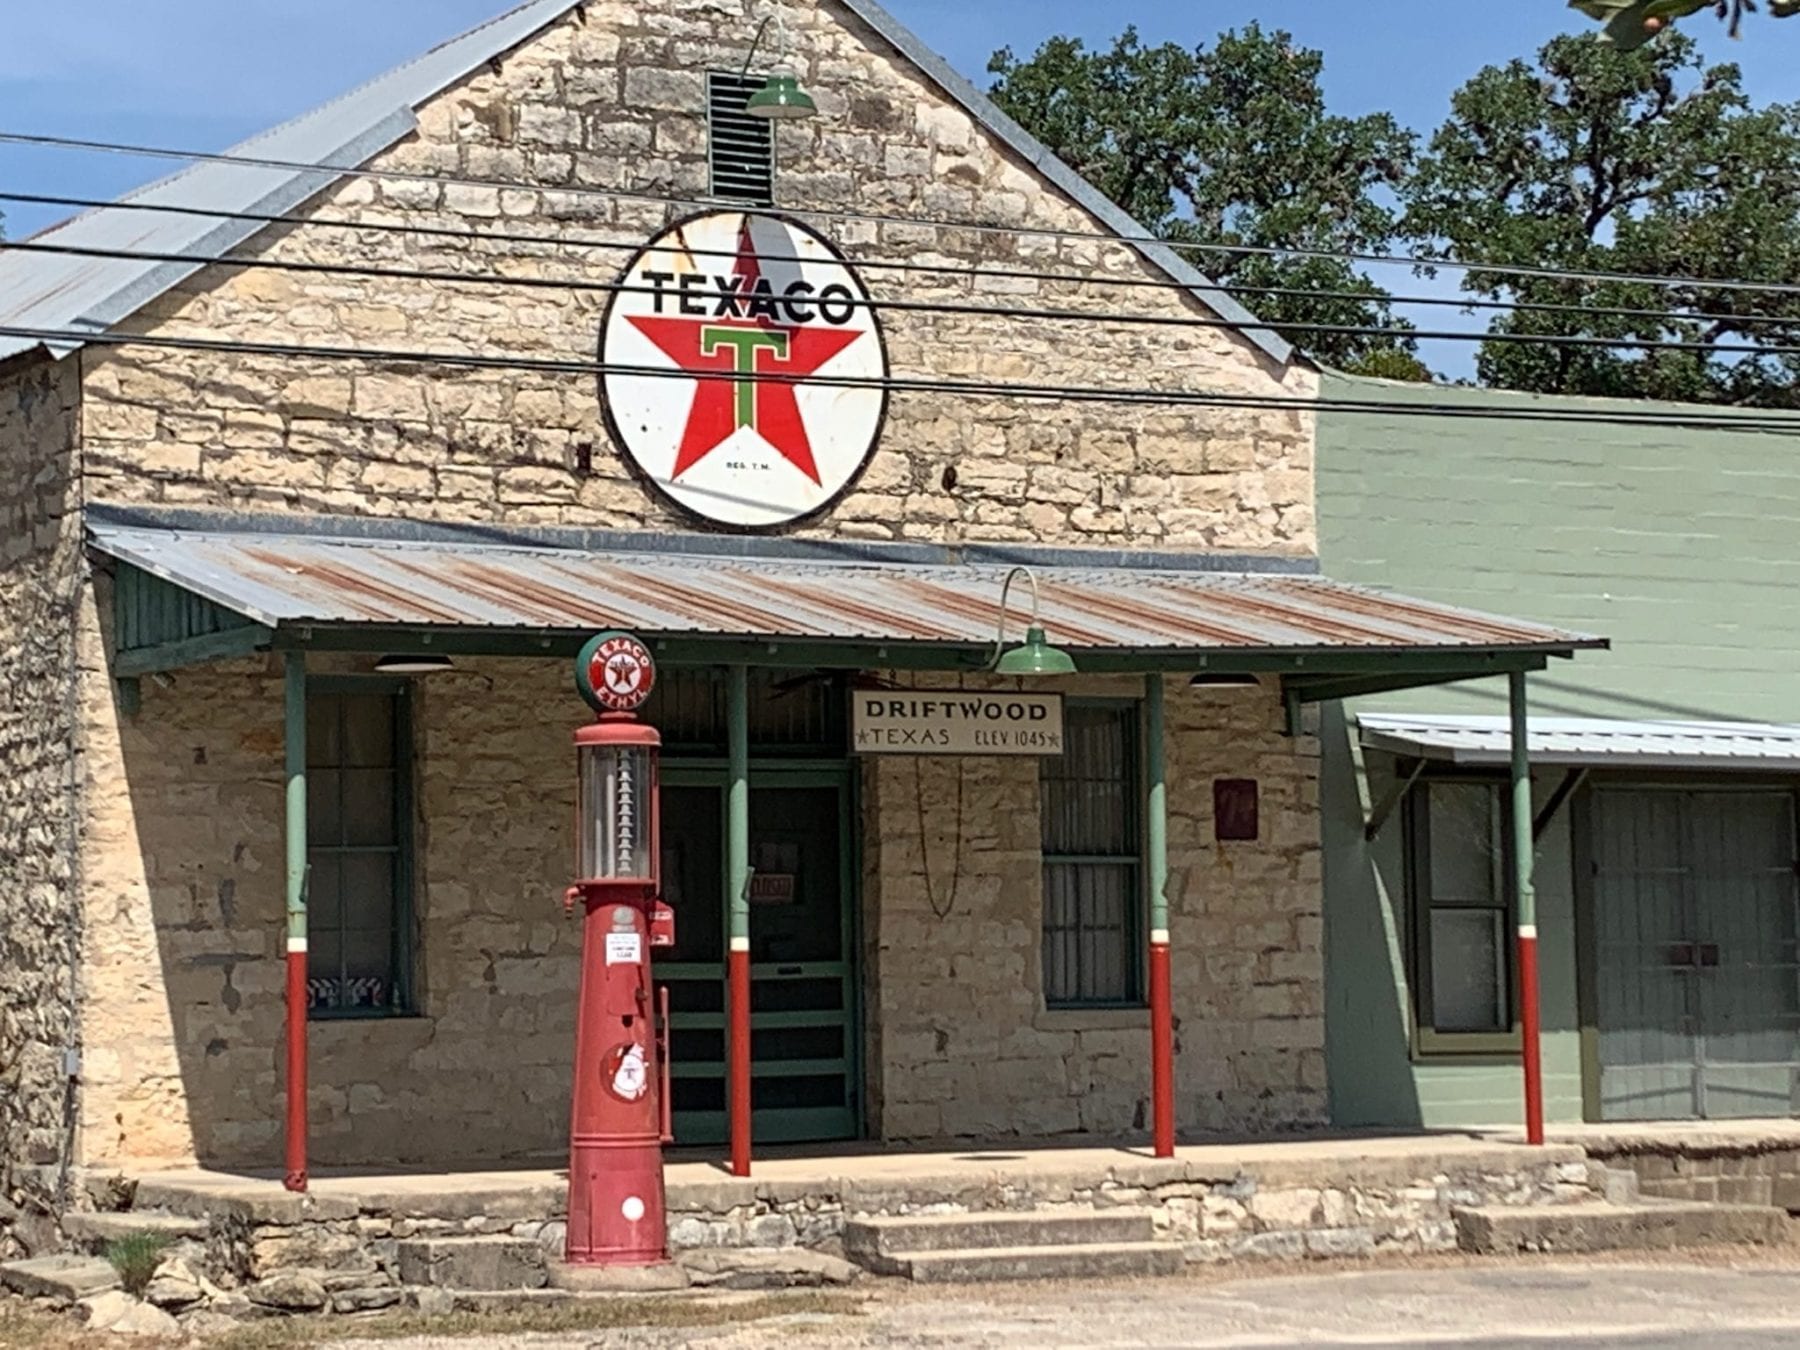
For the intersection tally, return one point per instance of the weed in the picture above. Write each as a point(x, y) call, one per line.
point(136, 1257)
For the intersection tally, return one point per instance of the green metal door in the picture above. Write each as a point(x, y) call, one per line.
point(804, 1071)
point(1697, 965)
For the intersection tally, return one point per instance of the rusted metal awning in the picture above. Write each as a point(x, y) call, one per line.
point(294, 579)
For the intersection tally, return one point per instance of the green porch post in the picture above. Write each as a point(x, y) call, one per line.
point(1156, 829)
point(1525, 897)
point(737, 870)
point(294, 744)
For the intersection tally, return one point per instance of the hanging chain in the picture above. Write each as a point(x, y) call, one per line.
point(944, 910)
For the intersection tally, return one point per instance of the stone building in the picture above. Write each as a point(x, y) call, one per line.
point(370, 433)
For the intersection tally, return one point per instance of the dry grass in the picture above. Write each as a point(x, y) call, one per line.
point(30, 1326)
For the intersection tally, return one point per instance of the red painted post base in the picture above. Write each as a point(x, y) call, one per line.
point(295, 1174)
point(1530, 1028)
point(738, 998)
point(1162, 1050)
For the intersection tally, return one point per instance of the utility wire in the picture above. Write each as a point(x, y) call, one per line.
point(1140, 396)
point(1009, 312)
point(329, 173)
point(962, 271)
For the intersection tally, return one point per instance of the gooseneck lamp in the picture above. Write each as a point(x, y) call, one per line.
point(1035, 656)
point(781, 99)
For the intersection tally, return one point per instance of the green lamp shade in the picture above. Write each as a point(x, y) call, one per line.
point(1036, 657)
point(781, 99)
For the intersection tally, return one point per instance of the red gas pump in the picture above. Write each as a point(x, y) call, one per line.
point(620, 1118)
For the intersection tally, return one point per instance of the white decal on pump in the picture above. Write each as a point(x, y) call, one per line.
point(632, 1209)
point(628, 1072)
point(624, 949)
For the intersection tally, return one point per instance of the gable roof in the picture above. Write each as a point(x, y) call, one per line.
point(41, 290)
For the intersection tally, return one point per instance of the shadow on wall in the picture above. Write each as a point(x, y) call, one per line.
point(194, 827)
point(1372, 1081)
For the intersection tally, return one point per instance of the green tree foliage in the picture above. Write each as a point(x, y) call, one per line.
point(1232, 145)
point(1642, 162)
point(1629, 24)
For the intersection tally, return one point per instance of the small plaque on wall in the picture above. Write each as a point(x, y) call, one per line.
point(1235, 810)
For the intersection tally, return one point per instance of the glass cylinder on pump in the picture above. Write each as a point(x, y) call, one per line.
point(616, 805)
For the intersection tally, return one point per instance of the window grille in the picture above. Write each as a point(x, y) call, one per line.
point(1093, 871)
point(359, 848)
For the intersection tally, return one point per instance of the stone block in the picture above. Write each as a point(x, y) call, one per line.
point(67, 1278)
point(474, 1263)
point(291, 1291)
point(765, 1268)
point(1340, 1242)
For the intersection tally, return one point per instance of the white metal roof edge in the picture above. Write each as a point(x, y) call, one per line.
point(1468, 740)
point(393, 119)
point(356, 136)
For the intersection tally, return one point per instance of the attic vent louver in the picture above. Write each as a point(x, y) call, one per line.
point(741, 148)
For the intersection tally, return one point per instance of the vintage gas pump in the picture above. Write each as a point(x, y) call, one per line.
point(620, 1118)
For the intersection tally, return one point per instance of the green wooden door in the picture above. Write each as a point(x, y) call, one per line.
point(805, 1080)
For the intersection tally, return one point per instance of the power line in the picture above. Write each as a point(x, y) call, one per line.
point(1010, 312)
point(964, 271)
point(332, 172)
point(1140, 396)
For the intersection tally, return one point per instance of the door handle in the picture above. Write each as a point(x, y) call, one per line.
point(1709, 955)
point(1681, 955)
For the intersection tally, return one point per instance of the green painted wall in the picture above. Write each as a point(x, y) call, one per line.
point(1681, 546)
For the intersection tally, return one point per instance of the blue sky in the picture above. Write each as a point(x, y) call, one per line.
point(206, 73)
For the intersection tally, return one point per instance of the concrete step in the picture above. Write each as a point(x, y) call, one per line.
point(63, 1277)
point(475, 1264)
point(92, 1232)
point(888, 1238)
point(1645, 1225)
point(1069, 1261)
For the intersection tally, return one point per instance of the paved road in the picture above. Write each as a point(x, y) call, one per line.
point(1484, 1307)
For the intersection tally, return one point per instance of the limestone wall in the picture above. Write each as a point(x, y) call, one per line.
point(41, 570)
point(962, 1044)
point(617, 101)
point(185, 1009)
point(185, 980)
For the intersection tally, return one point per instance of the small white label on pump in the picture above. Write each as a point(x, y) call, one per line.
point(632, 1209)
point(624, 949)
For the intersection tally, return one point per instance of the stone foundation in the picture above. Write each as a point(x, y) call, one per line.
point(267, 1251)
point(1727, 1167)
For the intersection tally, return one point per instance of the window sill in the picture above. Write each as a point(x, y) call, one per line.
point(1438, 1046)
point(351, 1017)
point(1092, 1019)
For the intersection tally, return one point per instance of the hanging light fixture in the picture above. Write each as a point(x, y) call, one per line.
point(1224, 680)
point(781, 99)
point(426, 663)
point(1035, 656)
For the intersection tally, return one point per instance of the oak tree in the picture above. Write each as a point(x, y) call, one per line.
point(1232, 145)
point(1649, 162)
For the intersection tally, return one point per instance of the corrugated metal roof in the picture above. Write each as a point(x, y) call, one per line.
point(45, 290)
point(1594, 741)
point(42, 290)
point(282, 579)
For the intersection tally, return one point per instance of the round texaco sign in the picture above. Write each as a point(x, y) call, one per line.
point(615, 673)
point(762, 387)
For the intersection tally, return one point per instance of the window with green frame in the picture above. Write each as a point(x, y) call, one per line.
point(1093, 861)
point(359, 848)
point(1460, 914)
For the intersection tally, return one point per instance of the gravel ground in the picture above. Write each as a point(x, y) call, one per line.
point(1727, 1301)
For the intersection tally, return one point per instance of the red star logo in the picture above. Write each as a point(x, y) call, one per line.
point(740, 343)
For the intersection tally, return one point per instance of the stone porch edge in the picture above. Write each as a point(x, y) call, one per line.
point(542, 1195)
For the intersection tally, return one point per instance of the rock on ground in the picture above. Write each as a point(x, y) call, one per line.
point(119, 1313)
